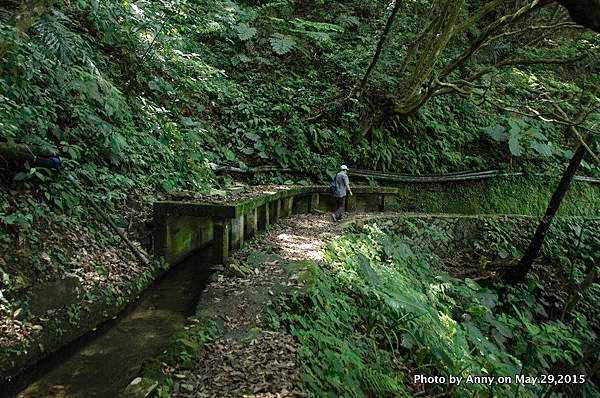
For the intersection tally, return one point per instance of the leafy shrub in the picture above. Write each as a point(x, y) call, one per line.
point(384, 307)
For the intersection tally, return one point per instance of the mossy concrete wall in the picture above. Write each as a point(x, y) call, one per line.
point(456, 232)
point(511, 195)
point(245, 218)
point(62, 330)
point(186, 234)
point(185, 227)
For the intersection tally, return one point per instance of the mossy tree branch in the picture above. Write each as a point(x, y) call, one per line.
point(419, 80)
point(382, 39)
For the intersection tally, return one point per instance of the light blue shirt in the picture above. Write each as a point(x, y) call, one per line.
point(342, 184)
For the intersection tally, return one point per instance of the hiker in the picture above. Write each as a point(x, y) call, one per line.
point(340, 187)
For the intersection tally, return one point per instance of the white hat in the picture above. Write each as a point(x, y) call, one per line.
point(343, 167)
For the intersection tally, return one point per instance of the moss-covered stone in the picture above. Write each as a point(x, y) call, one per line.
point(61, 330)
point(140, 387)
point(54, 294)
point(515, 195)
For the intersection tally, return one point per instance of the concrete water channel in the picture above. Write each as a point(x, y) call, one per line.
point(104, 362)
point(190, 236)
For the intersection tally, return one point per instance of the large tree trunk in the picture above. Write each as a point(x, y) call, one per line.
point(535, 246)
point(421, 76)
point(584, 12)
point(422, 57)
point(418, 77)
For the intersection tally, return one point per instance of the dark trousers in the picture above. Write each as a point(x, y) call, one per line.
point(340, 208)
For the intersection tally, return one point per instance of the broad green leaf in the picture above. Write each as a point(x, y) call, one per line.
point(515, 127)
point(245, 32)
point(367, 271)
point(514, 145)
point(228, 153)
point(21, 176)
point(541, 148)
point(536, 133)
point(568, 154)
point(17, 219)
point(253, 136)
point(497, 133)
point(407, 341)
point(472, 284)
point(189, 344)
point(282, 44)
point(168, 186)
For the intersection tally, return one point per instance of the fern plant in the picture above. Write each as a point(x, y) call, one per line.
point(58, 40)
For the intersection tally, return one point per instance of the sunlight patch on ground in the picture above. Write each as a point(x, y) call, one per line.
point(296, 247)
point(305, 237)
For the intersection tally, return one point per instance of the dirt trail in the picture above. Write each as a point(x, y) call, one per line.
point(247, 360)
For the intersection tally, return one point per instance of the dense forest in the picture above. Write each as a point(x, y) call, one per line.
point(107, 107)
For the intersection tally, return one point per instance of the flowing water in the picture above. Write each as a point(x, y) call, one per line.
point(104, 363)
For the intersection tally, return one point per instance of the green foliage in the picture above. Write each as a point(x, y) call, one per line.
point(185, 346)
point(383, 308)
point(521, 133)
point(158, 89)
point(337, 358)
point(245, 32)
point(282, 44)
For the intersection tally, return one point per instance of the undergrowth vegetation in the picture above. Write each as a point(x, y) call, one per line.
point(147, 98)
point(384, 308)
point(152, 91)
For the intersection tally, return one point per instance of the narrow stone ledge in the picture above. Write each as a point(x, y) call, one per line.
point(187, 226)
